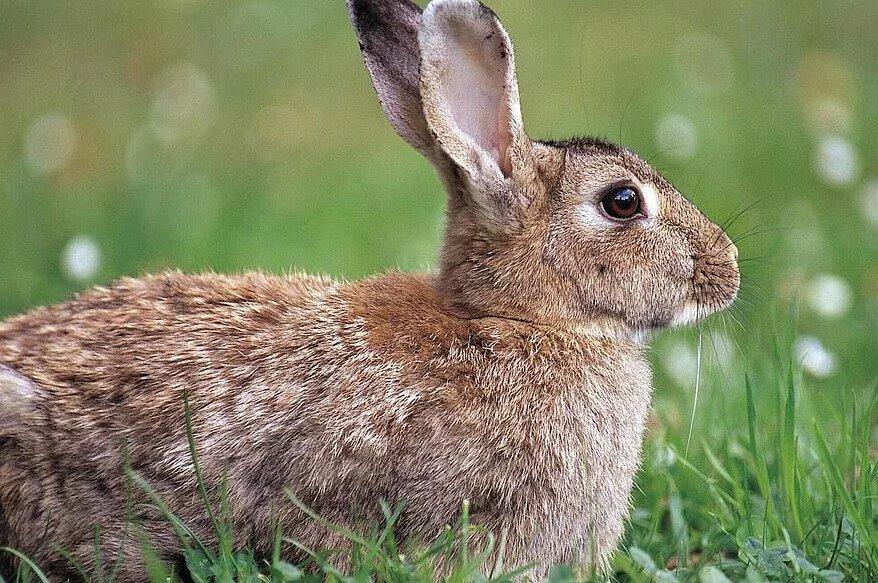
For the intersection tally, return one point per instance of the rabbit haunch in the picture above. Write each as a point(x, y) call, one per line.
point(513, 377)
point(346, 393)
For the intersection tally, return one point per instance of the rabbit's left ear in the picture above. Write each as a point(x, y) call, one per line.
point(470, 91)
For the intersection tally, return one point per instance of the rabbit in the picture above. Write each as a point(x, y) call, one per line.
point(515, 377)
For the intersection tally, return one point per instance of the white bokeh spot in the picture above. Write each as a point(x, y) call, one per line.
point(81, 258)
point(675, 134)
point(816, 360)
point(829, 295)
point(680, 363)
point(837, 161)
point(183, 106)
point(50, 144)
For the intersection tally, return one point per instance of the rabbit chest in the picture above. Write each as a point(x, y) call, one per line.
point(539, 430)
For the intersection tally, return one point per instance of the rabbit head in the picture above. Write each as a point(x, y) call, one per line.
point(579, 233)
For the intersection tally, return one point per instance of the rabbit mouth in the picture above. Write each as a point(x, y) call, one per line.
point(694, 311)
point(689, 313)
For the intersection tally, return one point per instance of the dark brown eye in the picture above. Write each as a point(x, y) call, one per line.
point(622, 202)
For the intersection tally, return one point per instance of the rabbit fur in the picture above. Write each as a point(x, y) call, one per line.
point(514, 377)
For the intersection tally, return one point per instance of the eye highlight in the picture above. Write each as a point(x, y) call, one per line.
point(622, 202)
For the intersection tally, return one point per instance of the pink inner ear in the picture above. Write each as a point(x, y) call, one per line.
point(476, 91)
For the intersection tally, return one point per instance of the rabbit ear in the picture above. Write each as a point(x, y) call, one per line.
point(388, 35)
point(469, 89)
point(446, 80)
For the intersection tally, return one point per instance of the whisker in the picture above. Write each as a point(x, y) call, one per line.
point(581, 80)
point(697, 386)
point(734, 318)
point(624, 111)
point(738, 348)
point(735, 216)
point(649, 159)
point(753, 233)
point(730, 222)
point(758, 258)
point(750, 284)
point(745, 303)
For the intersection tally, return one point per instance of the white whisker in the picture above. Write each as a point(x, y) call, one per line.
point(697, 385)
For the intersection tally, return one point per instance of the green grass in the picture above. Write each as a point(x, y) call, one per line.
point(288, 163)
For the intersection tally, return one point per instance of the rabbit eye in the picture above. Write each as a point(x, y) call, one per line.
point(622, 202)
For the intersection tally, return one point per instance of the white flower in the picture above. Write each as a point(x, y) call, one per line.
point(49, 144)
point(81, 258)
point(829, 295)
point(837, 161)
point(814, 358)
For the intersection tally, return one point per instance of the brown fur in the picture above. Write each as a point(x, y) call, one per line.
point(514, 378)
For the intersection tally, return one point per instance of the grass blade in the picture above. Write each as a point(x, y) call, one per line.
point(30, 564)
point(860, 522)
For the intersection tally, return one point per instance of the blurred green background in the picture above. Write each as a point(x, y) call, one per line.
point(141, 136)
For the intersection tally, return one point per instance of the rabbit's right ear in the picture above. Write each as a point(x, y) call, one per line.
point(388, 35)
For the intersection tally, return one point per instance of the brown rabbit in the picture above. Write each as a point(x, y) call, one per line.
point(514, 377)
